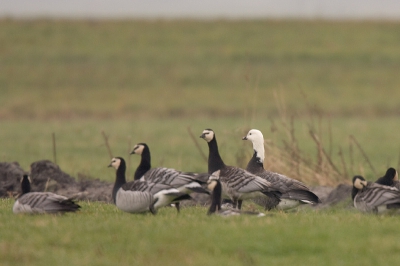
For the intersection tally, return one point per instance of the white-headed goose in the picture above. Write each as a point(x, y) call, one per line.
point(41, 202)
point(214, 185)
point(185, 182)
point(293, 191)
point(237, 184)
point(140, 196)
point(373, 197)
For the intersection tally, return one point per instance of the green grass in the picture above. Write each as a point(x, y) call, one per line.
point(102, 235)
point(58, 69)
point(148, 81)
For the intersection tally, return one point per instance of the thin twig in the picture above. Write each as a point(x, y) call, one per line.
point(363, 153)
point(343, 163)
point(107, 145)
point(54, 148)
point(197, 144)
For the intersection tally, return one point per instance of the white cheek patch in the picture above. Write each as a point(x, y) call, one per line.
point(138, 149)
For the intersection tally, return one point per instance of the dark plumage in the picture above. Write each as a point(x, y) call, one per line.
point(293, 191)
point(185, 182)
point(216, 197)
point(373, 197)
point(41, 202)
point(237, 184)
point(391, 178)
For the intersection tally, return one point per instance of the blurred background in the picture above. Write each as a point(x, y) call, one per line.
point(320, 79)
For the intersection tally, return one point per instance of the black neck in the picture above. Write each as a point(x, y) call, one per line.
point(354, 192)
point(120, 179)
point(216, 199)
point(255, 164)
point(25, 185)
point(215, 161)
point(145, 164)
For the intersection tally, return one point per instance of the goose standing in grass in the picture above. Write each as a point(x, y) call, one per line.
point(237, 184)
point(293, 191)
point(214, 185)
point(185, 182)
point(373, 197)
point(391, 178)
point(41, 202)
point(141, 196)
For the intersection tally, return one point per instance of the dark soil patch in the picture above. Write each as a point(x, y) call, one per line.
point(47, 176)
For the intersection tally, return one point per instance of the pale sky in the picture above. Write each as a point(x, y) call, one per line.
point(208, 9)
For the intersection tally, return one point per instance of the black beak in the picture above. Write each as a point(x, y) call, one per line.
point(203, 135)
point(244, 138)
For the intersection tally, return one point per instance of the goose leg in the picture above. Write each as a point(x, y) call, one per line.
point(177, 207)
point(239, 205)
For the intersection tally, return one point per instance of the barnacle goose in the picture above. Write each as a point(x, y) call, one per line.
point(41, 202)
point(141, 196)
point(391, 178)
point(237, 184)
point(185, 182)
point(373, 197)
point(293, 191)
point(216, 196)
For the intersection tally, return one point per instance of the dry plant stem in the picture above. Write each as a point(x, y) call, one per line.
point(343, 163)
point(197, 144)
point(351, 156)
point(363, 153)
point(54, 148)
point(107, 145)
point(322, 153)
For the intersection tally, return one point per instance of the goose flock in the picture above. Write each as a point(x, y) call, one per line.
point(154, 188)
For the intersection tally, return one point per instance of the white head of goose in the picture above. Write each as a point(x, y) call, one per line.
point(293, 191)
point(140, 196)
point(237, 184)
point(373, 197)
point(41, 202)
point(214, 185)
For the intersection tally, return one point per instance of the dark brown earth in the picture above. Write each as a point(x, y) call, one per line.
point(47, 176)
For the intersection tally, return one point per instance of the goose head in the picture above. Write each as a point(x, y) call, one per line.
point(115, 162)
point(208, 135)
point(257, 138)
point(138, 149)
point(392, 174)
point(254, 135)
point(359, 182)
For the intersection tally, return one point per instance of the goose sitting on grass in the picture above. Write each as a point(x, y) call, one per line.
point(185, 182)
point(293, 191)
point(373, 197)
point(141, 196)
point(237, 184)
point(41, 202)
point(214, 185)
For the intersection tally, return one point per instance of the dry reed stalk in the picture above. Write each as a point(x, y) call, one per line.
point(343, 163)
point(197, 144)
point(363, 153)
point(107, 144)
point(54, 148)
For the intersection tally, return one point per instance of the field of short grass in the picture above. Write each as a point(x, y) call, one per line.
point(325, 95)
point(102, 235)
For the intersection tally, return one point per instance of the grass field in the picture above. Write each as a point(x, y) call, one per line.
point(156, 81)
point(102, 235)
